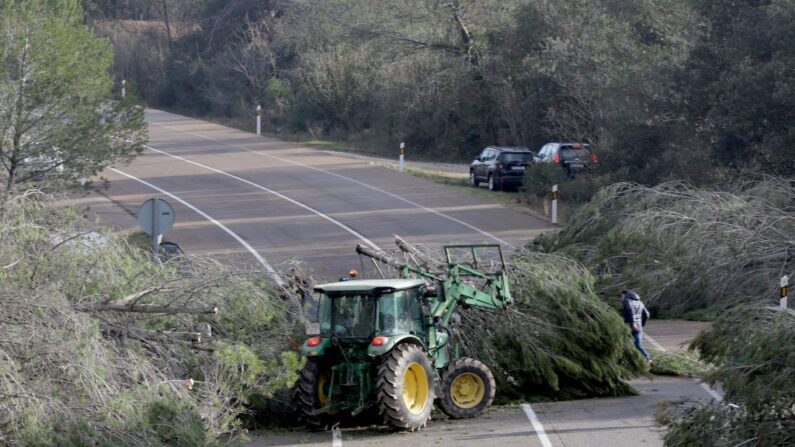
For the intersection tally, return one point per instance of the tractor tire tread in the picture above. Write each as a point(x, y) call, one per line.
point(388, 395)
point(305, 400)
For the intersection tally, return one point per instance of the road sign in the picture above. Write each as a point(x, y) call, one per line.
point(156, 217)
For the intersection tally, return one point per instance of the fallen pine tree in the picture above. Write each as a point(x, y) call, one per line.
point(101, 346)
point(688, 251)
point(753, 348)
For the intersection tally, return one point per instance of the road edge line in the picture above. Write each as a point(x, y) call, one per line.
point(268, 268)
point(542, 435)
point(336, 437)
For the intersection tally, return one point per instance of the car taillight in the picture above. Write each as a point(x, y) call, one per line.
point(314, 341)
point(594, 158)
point(379, 341)
point(556, 158)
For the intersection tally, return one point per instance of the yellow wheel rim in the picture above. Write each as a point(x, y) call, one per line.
point(322, 391)
point(467, 390)
point(415, 388)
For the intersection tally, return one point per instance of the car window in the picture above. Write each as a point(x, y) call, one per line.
point(515, 157)
point(574, 150)
point(491, 155)
point(483, 155)
point(544, 152)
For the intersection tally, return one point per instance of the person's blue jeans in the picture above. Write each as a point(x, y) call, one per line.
point(638, 336)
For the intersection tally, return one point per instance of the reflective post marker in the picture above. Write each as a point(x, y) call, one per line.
point(259, 120)
point(402, 149)
point(783, 294)
point(554, 204)
point(157, 237)
point(123, 88)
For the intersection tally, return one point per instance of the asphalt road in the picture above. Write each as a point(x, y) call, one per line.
point(235, 194)
point(265, 202)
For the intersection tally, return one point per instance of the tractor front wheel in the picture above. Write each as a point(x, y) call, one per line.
point(310, 394)
point(468, 388)
point(404, 388)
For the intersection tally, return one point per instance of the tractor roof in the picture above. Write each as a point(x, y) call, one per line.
point(368, 285)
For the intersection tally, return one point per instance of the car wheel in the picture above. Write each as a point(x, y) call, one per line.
point(493, 186)
point(473, 181)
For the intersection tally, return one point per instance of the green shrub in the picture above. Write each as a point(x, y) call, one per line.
point(539, 178)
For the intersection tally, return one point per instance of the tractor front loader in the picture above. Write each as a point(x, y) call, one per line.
point(388, 345)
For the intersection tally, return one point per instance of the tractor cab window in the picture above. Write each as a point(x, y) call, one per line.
point(347, 316)
point(400, 313)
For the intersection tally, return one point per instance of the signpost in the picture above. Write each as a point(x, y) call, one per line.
point(402, 149)
point(783, 291)
point(123, 88)
point(554, 204)
point(156, 217)
point(259, 120)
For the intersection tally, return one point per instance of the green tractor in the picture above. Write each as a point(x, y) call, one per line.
point(389, 345)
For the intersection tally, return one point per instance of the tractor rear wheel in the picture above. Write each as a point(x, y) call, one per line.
point(404, 388)
point(468, 388)
point(310, 394)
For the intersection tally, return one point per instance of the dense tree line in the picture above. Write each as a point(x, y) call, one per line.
point(665, 88)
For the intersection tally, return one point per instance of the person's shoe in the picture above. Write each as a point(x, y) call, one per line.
point(651, 364)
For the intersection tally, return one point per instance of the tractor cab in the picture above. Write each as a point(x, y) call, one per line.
point(367, 312)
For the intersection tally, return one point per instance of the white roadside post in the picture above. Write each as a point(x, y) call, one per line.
point(402, 149)
point(784, 286)
point(554, 204)
point(259, 120)
point(157, 236)
point(123, 88)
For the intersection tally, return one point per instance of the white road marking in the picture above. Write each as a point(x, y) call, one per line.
point(542, 435)
point(712, 392)
point(654, 343)
point(374, 188)
point(268, 268)
point(277, 194)
point(336, 437)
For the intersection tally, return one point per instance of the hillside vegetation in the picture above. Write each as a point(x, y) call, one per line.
point(665, 89)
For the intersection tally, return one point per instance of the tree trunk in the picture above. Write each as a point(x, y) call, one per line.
point(168, 25)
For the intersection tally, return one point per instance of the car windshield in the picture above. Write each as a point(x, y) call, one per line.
point(347, 316)
point(515, 157)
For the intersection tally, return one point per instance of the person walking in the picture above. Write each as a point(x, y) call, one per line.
point(636, 315)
